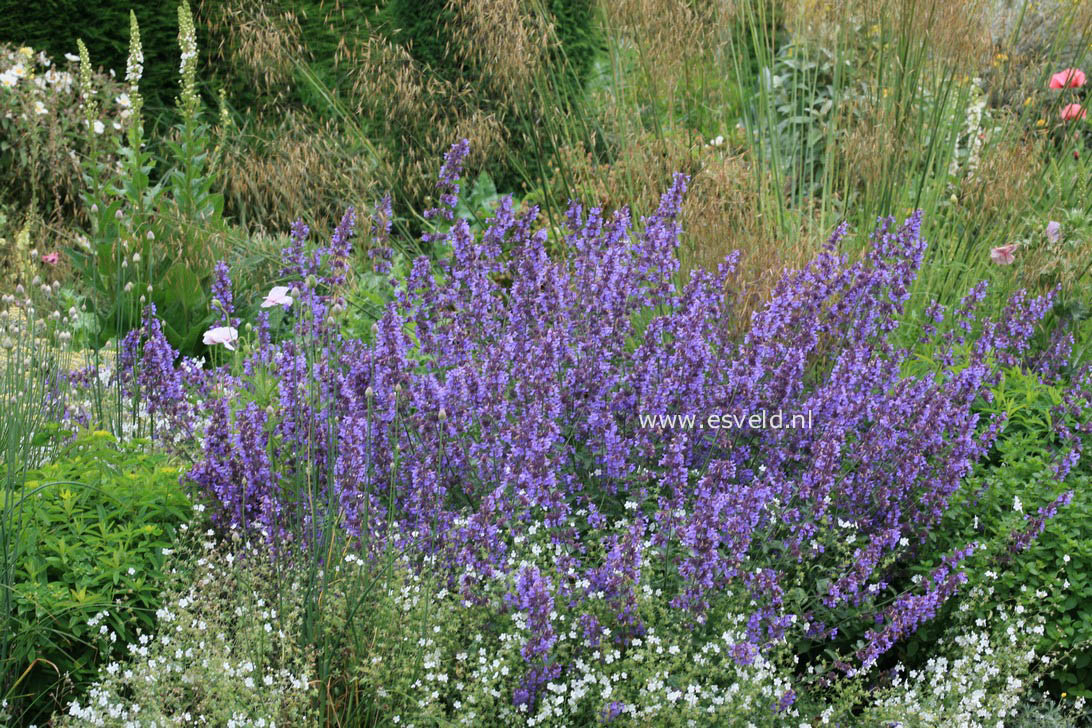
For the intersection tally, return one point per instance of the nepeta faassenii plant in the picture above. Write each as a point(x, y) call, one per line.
point(478, 411)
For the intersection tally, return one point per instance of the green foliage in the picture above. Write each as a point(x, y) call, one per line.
point(806, 89)
point(225, 652)
point(1002, 498)
point(87, 534)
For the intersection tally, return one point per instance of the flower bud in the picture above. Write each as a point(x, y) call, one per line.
point(375, 328)
point(7, 343)
point(249, 327)
point(150, 235)
point(136, 258)
point(37, 281)
point(94, 209)
point(142, 300)
point(128, 286)
point(442, 415)
point(118, 215)
point(369, 392)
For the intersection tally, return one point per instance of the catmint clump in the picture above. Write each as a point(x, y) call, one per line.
point(481, 417)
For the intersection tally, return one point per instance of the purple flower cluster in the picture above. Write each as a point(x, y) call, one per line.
point(481, 412)
point(222, 293)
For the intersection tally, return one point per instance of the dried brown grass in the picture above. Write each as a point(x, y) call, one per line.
point(1007, 177)
point(262, 42)
point(955, 32)
point(720, 214)
point(296, 168)
point(507, 39)
point(421, 113)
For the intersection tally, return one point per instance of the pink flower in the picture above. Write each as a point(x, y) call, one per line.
point(1004, 254)
point(278, 296)
point(1054, 231)
point(51, 258)
point(226, 335)
point(1071, 77)
point(1073, 111)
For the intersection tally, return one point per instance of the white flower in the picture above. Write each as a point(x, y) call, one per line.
point(99, 127)
point(1017, 505)
point(39, 108)
point(8, 79)
point(226, 335)
point(71, 57)
point(278, 296)
point(123, 100)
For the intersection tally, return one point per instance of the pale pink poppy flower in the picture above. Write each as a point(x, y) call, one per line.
point(51, 258)
point(1069, 77)
point(1071, 112)
point(278, 296)
point(1004, 254)
point(226, 335)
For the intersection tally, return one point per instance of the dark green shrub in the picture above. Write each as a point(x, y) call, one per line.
point(87, 536)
